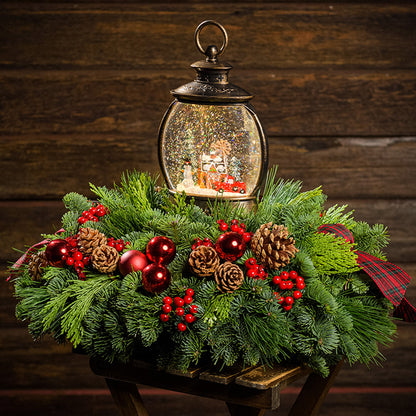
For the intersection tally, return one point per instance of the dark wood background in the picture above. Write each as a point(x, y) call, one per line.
point(83, 87)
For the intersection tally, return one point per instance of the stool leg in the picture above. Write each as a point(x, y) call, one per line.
point(240, 410)
point(127, 398)
point(313, 393)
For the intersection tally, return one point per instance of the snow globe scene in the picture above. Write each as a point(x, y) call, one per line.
point(211, 150)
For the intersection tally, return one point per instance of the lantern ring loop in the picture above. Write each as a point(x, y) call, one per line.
point(214, 23)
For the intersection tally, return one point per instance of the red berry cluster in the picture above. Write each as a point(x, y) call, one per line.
point(180, 304)
point(254, 270)
point(205, 242)
point(236, 227)
point(75, 258)
point(287, 281)
point(119, 245)
point(93, 214)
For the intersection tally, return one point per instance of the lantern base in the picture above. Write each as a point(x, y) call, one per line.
point(205, 203)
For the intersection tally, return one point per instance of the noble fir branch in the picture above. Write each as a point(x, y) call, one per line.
point(74, 311)
point(76, 203)
point(371, 239)
point(70, 222)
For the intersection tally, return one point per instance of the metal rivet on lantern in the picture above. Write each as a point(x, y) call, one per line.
point(211, 142)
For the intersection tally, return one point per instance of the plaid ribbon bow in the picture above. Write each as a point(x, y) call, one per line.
point(390, 279)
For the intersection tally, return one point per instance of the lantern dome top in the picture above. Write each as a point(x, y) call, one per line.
point(211, 84)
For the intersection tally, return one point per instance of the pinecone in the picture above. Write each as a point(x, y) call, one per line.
point(105, 259)
point(272, 246)
point(36, 264)
point(89, 239)
point(204, 261)
point(229, 277)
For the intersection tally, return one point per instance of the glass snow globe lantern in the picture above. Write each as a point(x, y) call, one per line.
point(211, 142)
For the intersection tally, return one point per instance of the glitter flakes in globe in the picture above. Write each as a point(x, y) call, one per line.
point(211, 150)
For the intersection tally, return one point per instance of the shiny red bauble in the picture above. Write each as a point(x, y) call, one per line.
point(160, 250)
point(156, 278)
point(230, 246)
point(57, 252)
point(132, 261)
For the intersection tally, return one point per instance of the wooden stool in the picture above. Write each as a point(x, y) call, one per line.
point(247, 392)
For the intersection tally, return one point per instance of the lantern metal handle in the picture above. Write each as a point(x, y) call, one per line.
point(211, 51)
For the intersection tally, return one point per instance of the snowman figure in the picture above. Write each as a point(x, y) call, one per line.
point(188, 181)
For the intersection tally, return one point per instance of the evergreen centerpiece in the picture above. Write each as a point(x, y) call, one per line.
point(277, 287)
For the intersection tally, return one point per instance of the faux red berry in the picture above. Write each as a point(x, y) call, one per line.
point(252, 273)
point(69, 261)
point(297, 294)
point(189, 318)
point(78, 264)
point(189, 292)
point(281, 300)
point(181, 327)
point(289, 284)
point(288, 300)
point(242, 225)
point(250, 262)
point(82, 220)
point(262, 274)
point(86, 214)
point(207, 242)
point(188, 300)
point(234, 222)
point(93, 210)
point(111, 243)
point(77, 256)
point(223, 226)
point(293, 274)
point(179, 311)
point(277, 280)
point(299, 279)
point(235, 228)
point(282, 285)
point(284, 275)
point(100, 212)
point(287, 307)
point(167, 300)
point(119, 246)
point(247, 237)
point(300, 285)
point(164, 317)
point(193, 309)
point(86, 260)
point(94, 219)
point(178, 301)
point(166, 308)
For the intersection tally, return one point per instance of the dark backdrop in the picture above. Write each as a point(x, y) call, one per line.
point(84, 85)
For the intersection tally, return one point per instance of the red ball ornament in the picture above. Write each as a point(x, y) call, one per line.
point(160, 250)
point(57, 252)
point(155, 278)
point(230, 246)
point(132, 261)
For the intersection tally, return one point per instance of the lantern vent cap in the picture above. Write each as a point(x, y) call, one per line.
point(211, 84)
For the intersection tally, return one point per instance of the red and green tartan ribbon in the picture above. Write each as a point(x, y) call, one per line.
point(390, 279)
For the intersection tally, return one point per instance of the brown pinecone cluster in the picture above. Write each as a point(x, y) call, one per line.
point(205, 262)
point(93, 243)
point(272, 245)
